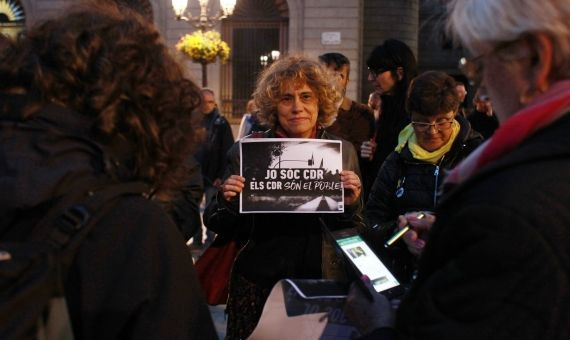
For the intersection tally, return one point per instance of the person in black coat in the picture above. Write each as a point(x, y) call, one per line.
point(483, 118)
point(391, 68)
point(296, 98)
point(497, 262)
point(410, 177)
point(211, 153)
point(91, 99)
point(185, 208)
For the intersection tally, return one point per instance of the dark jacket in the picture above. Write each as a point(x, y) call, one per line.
point(211, 153)
point(497, 264)
point(393, 118)
point(355, 125)
point(405, 184)
point(483, 124)
point(281, 245)
point(185, 209)
point(132, 277)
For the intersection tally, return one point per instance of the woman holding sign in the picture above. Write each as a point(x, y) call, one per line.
point(296, 99)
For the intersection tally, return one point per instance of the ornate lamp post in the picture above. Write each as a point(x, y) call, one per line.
point(203, 22)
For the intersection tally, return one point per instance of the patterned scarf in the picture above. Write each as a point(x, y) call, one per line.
point(541, 112)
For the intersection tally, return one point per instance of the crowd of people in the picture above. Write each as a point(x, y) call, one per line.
point(93, 100)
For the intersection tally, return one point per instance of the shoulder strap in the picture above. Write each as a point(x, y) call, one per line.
point(76, 218)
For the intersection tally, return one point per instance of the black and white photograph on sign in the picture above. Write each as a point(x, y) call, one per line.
point(291, 176)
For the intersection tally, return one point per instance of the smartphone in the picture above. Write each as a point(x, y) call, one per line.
point(365, 261)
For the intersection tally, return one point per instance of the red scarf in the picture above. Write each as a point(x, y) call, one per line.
point(541, 112)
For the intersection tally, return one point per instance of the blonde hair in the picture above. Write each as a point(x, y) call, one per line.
point(296, 69)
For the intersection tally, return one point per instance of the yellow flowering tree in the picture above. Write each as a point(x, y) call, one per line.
point(204, 48)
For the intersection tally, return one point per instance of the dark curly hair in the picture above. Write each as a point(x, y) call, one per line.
point(109, 63)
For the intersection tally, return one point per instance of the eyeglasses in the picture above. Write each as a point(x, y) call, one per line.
point(377, 72)
point(509, 51)
point(439, 126)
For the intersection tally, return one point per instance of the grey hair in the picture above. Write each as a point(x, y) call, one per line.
point(480, 24)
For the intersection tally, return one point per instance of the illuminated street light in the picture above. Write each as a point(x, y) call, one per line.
point(203, 21)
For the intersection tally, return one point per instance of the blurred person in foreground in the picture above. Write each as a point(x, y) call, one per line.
point(497, 262)
point(436, 140)
point(391, 67)
point(297, 99)
point(90, 99)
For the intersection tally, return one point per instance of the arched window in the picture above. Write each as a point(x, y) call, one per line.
point(12, 17)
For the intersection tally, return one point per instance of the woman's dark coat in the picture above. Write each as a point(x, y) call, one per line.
point(132, 277)
point(497, 264)
point(406, 184)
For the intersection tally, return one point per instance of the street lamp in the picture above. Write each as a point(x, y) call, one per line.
point(203, 21)
point(275, 55)
point(266, 59)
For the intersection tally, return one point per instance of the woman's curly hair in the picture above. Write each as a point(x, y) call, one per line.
point(299, 70)
point(111, 64)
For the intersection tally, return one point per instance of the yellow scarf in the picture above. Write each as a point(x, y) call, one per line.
point(408, 136)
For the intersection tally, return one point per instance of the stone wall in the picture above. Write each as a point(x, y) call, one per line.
point(339, 18)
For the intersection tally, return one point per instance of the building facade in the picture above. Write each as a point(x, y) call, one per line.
point(258, 27)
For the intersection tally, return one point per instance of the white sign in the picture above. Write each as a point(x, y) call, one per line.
point(330, 38)
point(292, 175)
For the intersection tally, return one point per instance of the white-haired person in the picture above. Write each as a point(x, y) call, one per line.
point(497, 262)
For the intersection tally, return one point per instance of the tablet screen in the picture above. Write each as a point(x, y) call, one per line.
point(367, 262)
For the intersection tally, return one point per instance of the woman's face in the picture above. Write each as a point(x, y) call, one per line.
point(437, 134)
point(383, 81)
point(297, 109)
point(504, 84)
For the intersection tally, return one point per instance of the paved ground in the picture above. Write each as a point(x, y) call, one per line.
point(217, 312)
point(219, 319)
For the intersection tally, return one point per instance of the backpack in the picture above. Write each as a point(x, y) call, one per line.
point(32, 272)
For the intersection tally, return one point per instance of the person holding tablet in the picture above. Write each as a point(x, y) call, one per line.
point(497, 263)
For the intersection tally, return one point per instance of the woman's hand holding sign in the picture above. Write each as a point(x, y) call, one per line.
point(232, 186)
point(352, 186)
